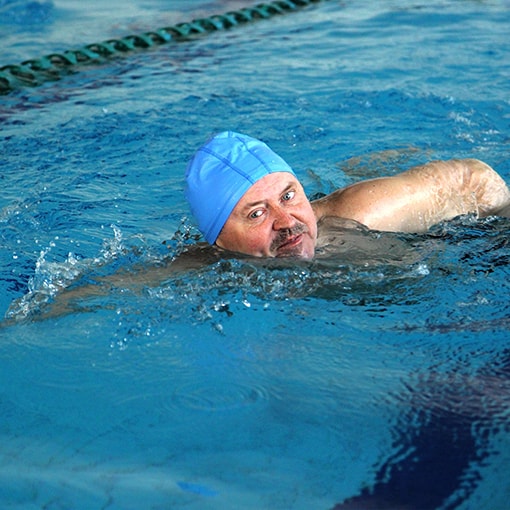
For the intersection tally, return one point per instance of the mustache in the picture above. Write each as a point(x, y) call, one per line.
point(285, 234)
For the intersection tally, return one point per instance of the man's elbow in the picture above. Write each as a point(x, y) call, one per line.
point(491, 191)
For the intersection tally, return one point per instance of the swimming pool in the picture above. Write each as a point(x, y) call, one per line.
point(236, 384)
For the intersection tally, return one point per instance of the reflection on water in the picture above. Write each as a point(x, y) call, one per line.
point(441, 440)
point(353, 342)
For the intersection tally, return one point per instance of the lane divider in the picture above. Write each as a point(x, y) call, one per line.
point(35, 72)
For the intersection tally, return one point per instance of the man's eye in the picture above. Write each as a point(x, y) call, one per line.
point(256, 214)
point(289, 195)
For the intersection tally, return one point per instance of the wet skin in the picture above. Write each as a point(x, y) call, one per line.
point(274, 218)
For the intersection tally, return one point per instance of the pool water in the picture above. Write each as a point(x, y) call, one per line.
point(375, 377)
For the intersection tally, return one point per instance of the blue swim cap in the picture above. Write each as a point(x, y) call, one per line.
point(221, 172)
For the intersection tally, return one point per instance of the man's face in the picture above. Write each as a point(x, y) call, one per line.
point(273, 219)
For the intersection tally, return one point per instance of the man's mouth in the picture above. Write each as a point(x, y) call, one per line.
point(290, 243)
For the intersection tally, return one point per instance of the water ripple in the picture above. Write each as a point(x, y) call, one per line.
point(218, 395)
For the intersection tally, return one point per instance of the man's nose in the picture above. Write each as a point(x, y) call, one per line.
point(282, 219)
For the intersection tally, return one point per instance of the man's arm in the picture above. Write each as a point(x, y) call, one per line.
point(135, 279)
point(425, 195)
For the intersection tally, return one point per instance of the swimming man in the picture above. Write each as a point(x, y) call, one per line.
point(247, 199)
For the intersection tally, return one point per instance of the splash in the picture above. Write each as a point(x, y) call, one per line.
point(203, 284)
point(51, 278)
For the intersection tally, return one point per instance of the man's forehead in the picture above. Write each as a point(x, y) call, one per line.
point(271, 184)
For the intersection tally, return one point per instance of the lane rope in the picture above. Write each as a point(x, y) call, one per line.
point(52, 67)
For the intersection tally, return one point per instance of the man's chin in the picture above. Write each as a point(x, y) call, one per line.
point(297, 251)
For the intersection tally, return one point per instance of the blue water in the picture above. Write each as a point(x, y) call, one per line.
point(377, 376)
